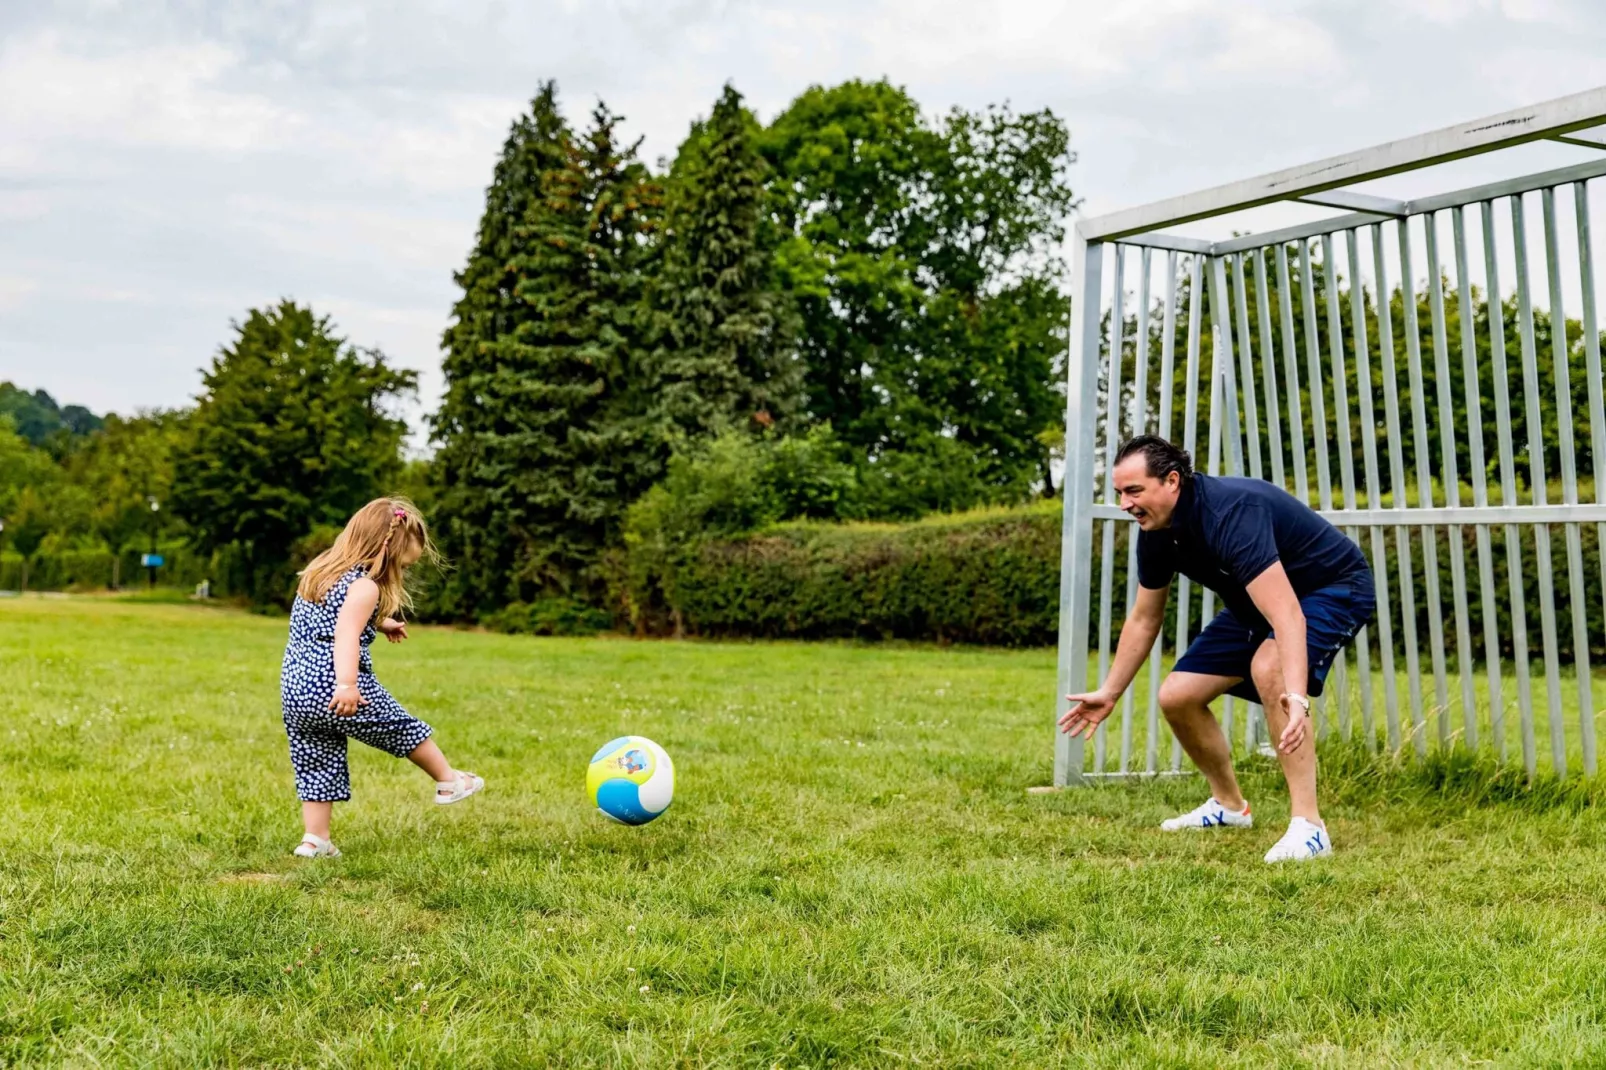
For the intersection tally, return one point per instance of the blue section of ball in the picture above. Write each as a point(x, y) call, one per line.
point(621, 800)
point(609, 747)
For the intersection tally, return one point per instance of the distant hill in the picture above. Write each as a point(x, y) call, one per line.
point(39, 418)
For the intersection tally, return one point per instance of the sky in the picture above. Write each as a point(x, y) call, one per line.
point(166, 166)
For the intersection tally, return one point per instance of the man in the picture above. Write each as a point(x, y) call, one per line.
point(1294, 591)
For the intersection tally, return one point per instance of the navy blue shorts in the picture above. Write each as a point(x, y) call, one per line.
point(1333, 615)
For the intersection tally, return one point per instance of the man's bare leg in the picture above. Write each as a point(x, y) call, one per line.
point(1185, 697)
point(1299, 768)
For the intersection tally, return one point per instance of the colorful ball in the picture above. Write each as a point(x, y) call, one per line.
point(631, 780)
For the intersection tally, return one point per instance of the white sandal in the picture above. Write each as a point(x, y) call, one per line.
point(316, 847)
point(450, 791)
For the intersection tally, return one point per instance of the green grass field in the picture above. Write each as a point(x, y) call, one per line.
point(852, 874)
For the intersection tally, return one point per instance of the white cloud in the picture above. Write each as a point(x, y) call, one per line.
point(14, 290)
point(164, 95)
point(16, 205)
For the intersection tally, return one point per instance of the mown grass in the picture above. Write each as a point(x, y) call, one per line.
point(852, 874)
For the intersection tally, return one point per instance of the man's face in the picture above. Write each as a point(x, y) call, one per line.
point(1147, 500)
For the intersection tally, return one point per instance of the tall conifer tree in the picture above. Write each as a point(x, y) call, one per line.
point(726, 354)
point(543, 430)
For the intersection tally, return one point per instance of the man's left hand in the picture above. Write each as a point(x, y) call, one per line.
point(1298, 728)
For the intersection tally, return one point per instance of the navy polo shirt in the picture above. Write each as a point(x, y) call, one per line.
point(1228, 530)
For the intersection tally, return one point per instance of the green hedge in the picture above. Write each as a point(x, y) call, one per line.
point(986, 577)
point(993, 577)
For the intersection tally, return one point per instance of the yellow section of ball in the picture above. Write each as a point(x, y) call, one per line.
point(632, 762)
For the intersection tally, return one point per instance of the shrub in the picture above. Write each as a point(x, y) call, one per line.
point(548, 616)
point(985, 577)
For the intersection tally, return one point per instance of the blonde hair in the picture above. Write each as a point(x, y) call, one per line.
point(376, 538)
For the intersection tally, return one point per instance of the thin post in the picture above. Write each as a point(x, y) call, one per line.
point(1151, 755)
point(1597, 422)
point(1363, 390)
point(1138, 423)
point(1296, 418)
point(1374, 494)
point(1318, 406)
point(1508, 491)
point(1536, 477)
point(1424, 480)
point(1246, 366)
point(1313, 355)
point(1268, 361)
point(1223, 396)
point(1560, 355)
point(1402, 537)
point(1190, 442)
point(1346, 448)
point(1112, 425)
point(1076, 536)
point(1473, 392)
point(1452, 481)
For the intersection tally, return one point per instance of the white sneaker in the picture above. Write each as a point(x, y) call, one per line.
point(1211, 815)
point(315, 847)
point(1303, 841)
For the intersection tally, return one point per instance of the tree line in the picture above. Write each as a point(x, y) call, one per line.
point(879, 285)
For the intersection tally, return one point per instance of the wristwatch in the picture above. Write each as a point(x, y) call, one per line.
point(1301, 699)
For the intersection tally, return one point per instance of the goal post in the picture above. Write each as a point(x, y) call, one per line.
point(1396, 366)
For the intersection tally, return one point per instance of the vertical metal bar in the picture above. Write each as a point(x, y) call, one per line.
point(1536, 476)
point(1424, 480)
point(1508, 491)
point(1402, 537)
point(1473, 393)
point(1190, 442)
point(1222, 366)
point(1363, 391)
point(1246, 373)
point(1597, 422)
point(1335, 331)
point(1076, 537)
point(1151, 743)
point(1560, 355)
point(1365, 386)
point(1313, 355)
point(1374, 491)
point(1138, 421)
point(1112, 433)
point(1222, 396)
point(1246, 366)
point(1168, 346)
point(1268, 361)
point(1339, 697)
point(1452, 482)
point(1296, 418)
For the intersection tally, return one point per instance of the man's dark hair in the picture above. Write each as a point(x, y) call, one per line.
point(1163, 458)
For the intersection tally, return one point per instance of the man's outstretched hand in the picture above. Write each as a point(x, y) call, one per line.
point(1087, 712)
point(1298, 728)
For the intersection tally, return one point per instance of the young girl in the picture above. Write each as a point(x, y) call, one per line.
point(348, 594)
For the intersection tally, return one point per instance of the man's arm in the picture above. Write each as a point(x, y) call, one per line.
point(1274, 596)
point(1137, 639)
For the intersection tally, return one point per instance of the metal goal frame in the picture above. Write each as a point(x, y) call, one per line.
point(1234, 401)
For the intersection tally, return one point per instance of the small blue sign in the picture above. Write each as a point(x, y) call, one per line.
point(150, 560)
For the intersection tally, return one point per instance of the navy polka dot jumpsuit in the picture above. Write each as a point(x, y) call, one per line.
point(307, 683)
